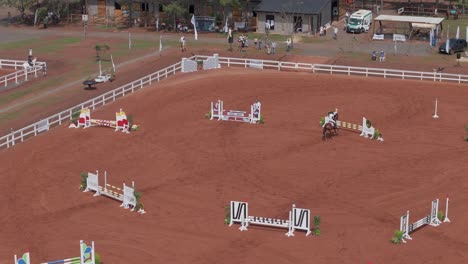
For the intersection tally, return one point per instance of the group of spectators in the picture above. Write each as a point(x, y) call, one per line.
point(266, 44)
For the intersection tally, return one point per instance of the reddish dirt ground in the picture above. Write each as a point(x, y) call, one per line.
point(76, 94)
point(188, 168)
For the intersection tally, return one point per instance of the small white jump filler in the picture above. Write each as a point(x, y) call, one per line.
point(430, 219)
point(217, 111)
point(299, 219)
point(126, 194)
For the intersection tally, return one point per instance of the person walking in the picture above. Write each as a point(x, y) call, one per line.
point(335, 33)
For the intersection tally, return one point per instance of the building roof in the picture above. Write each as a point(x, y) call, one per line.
point(410, 19)
point(292, 6)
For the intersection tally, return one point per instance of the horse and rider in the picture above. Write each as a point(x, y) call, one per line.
point(330, 126)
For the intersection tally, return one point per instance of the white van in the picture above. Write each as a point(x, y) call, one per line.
point(359, 21)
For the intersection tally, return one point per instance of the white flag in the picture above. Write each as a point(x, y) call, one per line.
point(160, 44)
point(194, 26)
point(467, 34)
point(458, 33)
point(226, 27)
point(100, 70)
point(113, 65)
point(447, 44)
point(431, 37)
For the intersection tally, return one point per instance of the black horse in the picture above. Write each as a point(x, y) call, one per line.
point(330, 130)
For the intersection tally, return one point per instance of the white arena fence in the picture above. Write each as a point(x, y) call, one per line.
point(34, 129)
point(21, 74)
point(337, 69)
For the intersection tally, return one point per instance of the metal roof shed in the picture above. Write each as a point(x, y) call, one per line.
point(431, 22)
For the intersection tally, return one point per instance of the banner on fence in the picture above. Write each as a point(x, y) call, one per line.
point(42, 126)
point(258, 64)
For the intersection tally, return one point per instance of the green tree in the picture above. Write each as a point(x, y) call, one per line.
point(174, 9)
point(228, 4)
point(21, 5)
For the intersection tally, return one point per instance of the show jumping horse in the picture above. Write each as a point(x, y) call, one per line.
point(330, 130)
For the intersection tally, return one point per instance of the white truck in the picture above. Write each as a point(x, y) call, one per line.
point(360, 21)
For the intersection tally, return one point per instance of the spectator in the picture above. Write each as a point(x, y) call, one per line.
point(44, 70)
point(382, 56)
point(255, 42)
point(45, 21)
point(335, 32)
point(321, 31)
point(273, 47)
point(374, 55)
point(182, 43)
point(288, 44)
point(267, 27)
point(230, 39)
point(259, 44)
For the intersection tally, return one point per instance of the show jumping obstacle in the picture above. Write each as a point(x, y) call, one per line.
point(217, 111)
point(299, 219)
point(367, 132)
point(86, 257)
point(120, 123)
point(430, 219)
point(126, 195)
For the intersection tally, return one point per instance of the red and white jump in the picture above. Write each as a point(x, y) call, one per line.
point(120, 123)
point(217, 111)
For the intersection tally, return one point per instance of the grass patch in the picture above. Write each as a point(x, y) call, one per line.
point(57, 44)
point(313, 40)
point(18, 44)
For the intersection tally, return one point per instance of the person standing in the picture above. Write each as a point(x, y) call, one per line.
point(44, 70)
point(335, 33)
point(230, 39)
point(267, 27)
point(45, 21)
point(273, 47)
point(288, 44)
point(182, 43)
point(382, 56)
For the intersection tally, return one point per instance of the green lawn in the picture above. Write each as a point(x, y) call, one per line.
point(26, 43)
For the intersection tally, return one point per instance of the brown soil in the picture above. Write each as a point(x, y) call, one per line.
point(188, 168)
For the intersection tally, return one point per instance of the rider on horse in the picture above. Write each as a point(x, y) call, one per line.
point(331, 118)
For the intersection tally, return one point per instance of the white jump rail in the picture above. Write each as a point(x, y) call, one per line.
point(19, 75)
point(36, 128)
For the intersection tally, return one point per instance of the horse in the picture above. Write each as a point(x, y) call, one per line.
point(28, 65)
point(329, 129)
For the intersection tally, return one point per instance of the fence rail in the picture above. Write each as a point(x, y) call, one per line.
point(20, 75)
point(36, 128)
point(43, 125)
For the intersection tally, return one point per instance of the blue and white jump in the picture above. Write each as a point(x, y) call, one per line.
point(86, 257)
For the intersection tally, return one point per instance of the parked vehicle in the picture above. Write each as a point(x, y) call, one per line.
point(359, 21)
point(455, 45)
